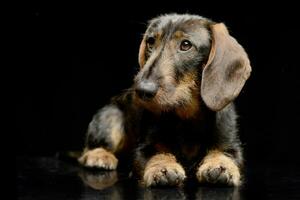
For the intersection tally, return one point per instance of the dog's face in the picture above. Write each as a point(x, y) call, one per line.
point(173, 53)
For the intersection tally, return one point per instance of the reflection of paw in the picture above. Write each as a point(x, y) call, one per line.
point(163, 172)
point(164, 193)
point(100, 180)
point(220, 169)
point(218, 193)
point(99, 158)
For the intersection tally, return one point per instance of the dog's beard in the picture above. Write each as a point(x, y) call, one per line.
point(183, 99)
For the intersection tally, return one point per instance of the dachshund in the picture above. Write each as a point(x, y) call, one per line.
point(178, 119)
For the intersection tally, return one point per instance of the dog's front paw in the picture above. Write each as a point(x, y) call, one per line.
point(99, 158)
point(164, 175)
point(163, 171)
point(219, 169)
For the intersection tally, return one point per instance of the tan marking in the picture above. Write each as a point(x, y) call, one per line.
point(142, 52)
point(99, 158)
point(157, 39)
point(188, 92)
point(117, 133)
point(113, 118)
point(178, 34)
point(216, 159)
point(162, 169)
point(117, 138)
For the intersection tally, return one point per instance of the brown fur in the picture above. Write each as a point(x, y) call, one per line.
point(163, 169)
point(191, 106)
point(187, 91)
point(226, 71)
point(217, 160)
point(117, 138)
point(180, 105)
point(142, 53)
point(99, 157)
point(161, 148)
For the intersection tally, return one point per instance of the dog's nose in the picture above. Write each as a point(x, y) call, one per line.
point(146, 90)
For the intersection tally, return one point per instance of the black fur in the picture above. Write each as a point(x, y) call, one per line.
point(147, 133)
point(144, 130)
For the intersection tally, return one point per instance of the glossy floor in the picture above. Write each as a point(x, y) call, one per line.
point(50, 178)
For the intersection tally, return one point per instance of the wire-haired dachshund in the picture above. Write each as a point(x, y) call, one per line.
point(178, 118)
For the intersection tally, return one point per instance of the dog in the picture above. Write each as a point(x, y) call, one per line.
point(178, 119)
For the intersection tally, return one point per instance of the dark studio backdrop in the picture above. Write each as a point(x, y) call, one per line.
point(74, 57)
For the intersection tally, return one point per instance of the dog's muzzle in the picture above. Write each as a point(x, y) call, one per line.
point(146, 89)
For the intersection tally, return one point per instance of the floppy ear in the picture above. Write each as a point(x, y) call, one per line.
point(142, 55)
point(226, 71)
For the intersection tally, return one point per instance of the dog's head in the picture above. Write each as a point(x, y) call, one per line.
point(184, 58)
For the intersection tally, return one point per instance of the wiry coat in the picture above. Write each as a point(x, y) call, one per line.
point(178, 118)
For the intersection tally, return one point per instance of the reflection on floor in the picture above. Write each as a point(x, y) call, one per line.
point(50, 178)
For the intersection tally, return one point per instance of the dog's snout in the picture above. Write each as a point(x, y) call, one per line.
point(146, 90)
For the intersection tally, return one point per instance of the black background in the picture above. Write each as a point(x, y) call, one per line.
point(73, 57)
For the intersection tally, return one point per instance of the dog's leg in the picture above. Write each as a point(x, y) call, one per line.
point(105, 136)
point(222, 164)
point(219, 168)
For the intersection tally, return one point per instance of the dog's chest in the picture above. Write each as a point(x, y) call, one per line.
point(185, 138)
point(171, 126)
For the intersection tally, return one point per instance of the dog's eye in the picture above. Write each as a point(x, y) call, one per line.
point(150, 41)
point(185, 45)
